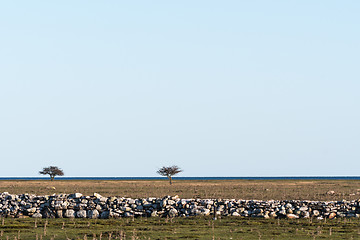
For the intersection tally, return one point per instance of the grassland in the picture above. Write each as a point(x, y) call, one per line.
point(238, 189)
point(179, 228)
point(187, 228)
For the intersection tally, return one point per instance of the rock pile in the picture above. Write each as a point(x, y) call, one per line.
point(78, 206)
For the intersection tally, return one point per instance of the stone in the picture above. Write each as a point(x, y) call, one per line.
point(171, 202)
point(59, 213)
point(31, 210)
point(305, 214)
point(272, 215)
point(49, 213)
point(316, 213)
point(235, 214)
point(37, 215)
point(257, 211)
point(163, 203)
point(282, 212)
point(303, 208)
point(81, 214)
point(76, 195)
point(93, 214)
point(105, 215)
point(128, 214)
point(97, 206)
point(175, 197)
point(126, 209)
point(206, 212)
point(69, 213)
point(172, 213)
point(97, 195)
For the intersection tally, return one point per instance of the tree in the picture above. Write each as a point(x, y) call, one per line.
point(52, 171)
point(169, 172)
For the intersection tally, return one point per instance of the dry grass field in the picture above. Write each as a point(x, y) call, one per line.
point(238, 189)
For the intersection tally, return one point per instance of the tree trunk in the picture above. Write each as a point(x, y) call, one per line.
point(170, 180)
point(52, 177)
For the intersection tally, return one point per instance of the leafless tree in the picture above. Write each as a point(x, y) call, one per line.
point(169, 172)
point(52, 171)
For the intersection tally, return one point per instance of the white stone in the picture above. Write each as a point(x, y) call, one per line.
point(81, 214)
point(69, 213)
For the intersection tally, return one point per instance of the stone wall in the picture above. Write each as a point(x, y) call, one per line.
point(78, 206)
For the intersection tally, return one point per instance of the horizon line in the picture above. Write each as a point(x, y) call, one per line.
point(181, 176)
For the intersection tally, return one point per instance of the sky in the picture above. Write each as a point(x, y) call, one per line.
point(219, 88)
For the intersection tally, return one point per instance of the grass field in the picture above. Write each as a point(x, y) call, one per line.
point(179, 228)
point(187, 228)
point(238, 189)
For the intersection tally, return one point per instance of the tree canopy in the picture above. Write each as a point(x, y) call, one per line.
point(52, 171)
point(169, 172)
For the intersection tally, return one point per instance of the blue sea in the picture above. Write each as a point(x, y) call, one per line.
point(192, 178)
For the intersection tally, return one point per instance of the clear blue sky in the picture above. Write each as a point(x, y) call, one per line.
point(220, 88)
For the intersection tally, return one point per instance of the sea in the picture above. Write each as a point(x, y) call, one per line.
point(192, 178)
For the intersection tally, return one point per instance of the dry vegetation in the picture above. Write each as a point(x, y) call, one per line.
point(178, 228)
point(238, 189)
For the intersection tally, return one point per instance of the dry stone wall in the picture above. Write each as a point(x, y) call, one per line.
point(78, 206)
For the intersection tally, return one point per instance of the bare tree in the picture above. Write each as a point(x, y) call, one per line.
point(52, 171)
point(169, 172)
